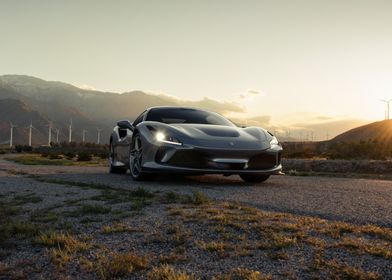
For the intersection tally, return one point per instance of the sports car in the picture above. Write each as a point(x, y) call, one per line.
point(192, 141)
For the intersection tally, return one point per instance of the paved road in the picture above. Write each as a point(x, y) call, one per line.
point(354, 200)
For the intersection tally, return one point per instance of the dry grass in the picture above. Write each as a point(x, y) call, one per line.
point(243, 274)
point(171, 258)
point(114, 265)
point(214, 246)
point(66, 246)
point(167, 272)
point(118, 228)
point(62, 240)
point(334, 269)
point(37, 159)
point(192, 232)
point(363, 246)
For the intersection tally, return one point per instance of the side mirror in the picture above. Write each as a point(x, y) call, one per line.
point(125, 124)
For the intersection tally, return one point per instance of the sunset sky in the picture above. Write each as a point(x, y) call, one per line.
point(295, 61)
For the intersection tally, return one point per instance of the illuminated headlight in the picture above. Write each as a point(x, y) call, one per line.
point(162, 137)
point(274, 142)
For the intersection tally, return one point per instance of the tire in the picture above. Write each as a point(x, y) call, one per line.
point(250, 178)
point(136, 159)
point(114, 169)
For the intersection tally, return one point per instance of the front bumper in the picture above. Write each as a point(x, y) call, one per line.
point(168, 158)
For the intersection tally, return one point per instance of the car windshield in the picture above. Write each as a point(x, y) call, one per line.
point(186, 115)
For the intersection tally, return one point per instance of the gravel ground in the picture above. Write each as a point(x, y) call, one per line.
point(208, 226)
point(352, 200)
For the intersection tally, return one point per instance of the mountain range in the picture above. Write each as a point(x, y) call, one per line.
point(26, 100)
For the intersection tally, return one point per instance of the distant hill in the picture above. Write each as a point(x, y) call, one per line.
point(58, 102)
point(381, 131)
point(18, 111)
point(24, 99)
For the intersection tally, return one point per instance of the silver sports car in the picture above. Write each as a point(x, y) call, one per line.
point(192, 141)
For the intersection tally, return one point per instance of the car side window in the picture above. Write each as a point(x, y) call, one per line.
point(139, 119)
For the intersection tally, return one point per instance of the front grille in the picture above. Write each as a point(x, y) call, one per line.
point(190, 159)
point(226, 165)
point(264, 161)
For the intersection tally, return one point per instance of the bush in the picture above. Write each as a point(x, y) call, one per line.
point(102, 155)
point(69, 155)
point(18, 148)
point(2, 152)
point(27, 148)
point(84, 156)
point(23, 148)
point(55, 156)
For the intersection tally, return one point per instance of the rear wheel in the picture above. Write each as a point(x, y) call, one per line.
point(136, 159)
point(114, 169)
point(251, 178)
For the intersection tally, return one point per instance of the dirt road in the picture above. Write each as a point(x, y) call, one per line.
point(354, 200)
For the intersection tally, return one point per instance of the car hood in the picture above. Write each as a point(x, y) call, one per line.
point(219, 136)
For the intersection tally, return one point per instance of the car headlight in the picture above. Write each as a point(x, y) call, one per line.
point(274, 143)
point(164, 138)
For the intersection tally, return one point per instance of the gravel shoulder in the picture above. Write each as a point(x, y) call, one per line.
point(352, 200)
point(82, 223)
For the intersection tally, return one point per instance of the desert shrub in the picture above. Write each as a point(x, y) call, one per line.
point(370, 149)
point(55, 156)
point(69, 155)
point(18, 148)
point(200, 198)
point(23, 148)
point(27, 148)
point(84, 156)
point(102, 155)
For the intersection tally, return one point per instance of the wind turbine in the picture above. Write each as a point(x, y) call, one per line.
point(50, 133)
point(99, 135)
point(30, 127)
point(12, 134)
point(70, 132)
point(57, 134)
point(387, 102)
point(84, 135)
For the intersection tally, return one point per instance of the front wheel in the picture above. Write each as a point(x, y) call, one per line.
point(136, 159)
point(251, 178)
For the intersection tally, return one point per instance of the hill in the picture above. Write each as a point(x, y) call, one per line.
point(59, 103)
point(380, 131)
point(24, 98)
point(18, 112)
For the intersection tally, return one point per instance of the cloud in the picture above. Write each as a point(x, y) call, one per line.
point(86, 87)
point(261, 121)
point(250, 93)
point(324, 118)
point(222, 107)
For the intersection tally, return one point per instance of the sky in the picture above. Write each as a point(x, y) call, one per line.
point(291, 61)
